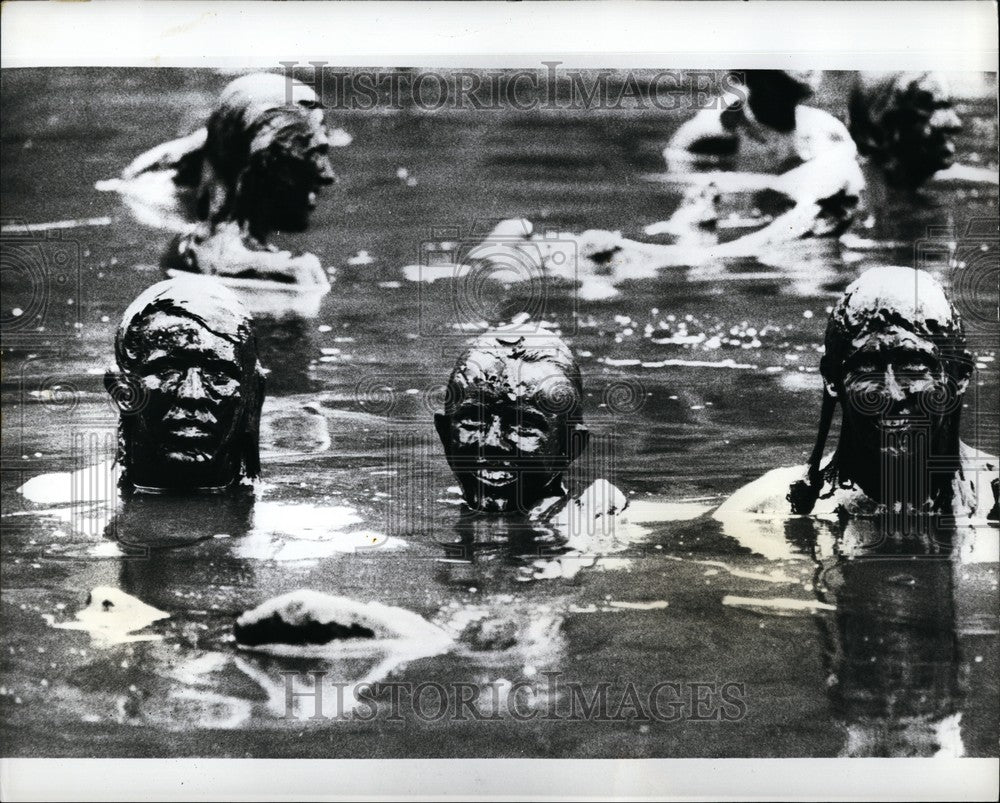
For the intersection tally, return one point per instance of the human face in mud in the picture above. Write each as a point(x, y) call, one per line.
point(509, 435)
point(285, 177)
point(923, 125)
point(193, 391)
point(895, 397)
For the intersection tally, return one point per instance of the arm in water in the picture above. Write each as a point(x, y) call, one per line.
point(824, 192)
point(967, 174)
point(168, 155)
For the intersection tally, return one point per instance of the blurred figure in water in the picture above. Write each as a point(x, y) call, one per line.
point(255, 168)
point(904, 125)
point(264, 166)
point(190, 390)
point(896, 361)
point(176, 176)
point(766, 130)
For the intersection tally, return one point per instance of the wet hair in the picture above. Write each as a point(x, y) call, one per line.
point(255, 114)
point(280, 156)
point(214, 308)
point(513, 345)
point(773, 96)
point(881, 303)
point(882, 108)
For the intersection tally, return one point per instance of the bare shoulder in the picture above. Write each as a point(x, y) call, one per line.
point(765, 494)
point(977, 460)
point(819, 123)
point(601, 498)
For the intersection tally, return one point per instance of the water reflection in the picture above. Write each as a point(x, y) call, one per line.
point(145, 523)
point(285, 347)
point(891, 646)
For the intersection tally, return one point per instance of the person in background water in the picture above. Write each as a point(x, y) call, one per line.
point(264, 164)
point(904, 125)
point(177, 175)
point(896, 360)
point(256, 167)
point(766, 139)
point(190, 390)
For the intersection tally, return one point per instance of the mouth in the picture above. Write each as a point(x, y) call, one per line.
point(896, 425)
point(188, 431)
point(495, 478)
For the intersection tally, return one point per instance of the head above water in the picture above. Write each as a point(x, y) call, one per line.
point(773, 95)
point(895, 358)
point(513, 422)
point(189, 388)
point(905, 123)
point(268, 153)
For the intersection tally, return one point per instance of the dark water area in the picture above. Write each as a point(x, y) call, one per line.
point(696, 382)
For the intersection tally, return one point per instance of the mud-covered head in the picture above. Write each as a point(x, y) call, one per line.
point(189, 388)
point(896, 359)
point(895, 311)
point(513, 419)
point(268, 150)
point(905, 123)
point(773, 95)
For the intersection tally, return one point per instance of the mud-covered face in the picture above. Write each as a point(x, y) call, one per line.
point(285, 178)
point(509, 438)
point(896, 400)
point(921, 129)
point(192, 387)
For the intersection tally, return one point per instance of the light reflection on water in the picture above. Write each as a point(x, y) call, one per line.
point(355, 500)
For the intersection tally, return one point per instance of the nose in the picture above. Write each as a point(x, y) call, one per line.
point(494, 435)
point(946, 119)
point(325, 173)
point(192, 385)
point(893, 389)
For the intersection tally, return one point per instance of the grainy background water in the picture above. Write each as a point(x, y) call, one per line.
point(926, 647)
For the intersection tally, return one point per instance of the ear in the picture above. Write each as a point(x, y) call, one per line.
point(828, 368)
point(251, 434)
point(442, 423)
point(121, 391)
point(963, 372)
point(112, 380)
point(579, 439)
